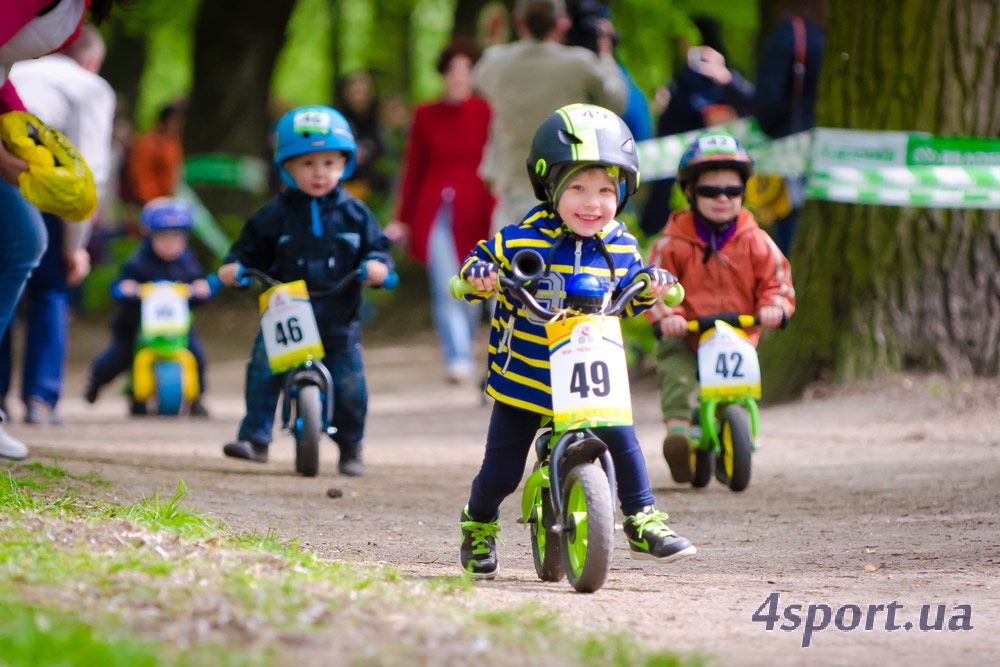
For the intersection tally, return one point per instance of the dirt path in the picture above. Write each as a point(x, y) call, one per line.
point(885, 493)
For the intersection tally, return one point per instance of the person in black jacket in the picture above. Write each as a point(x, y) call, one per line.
point(317, 232)
point(787, 87)
point(163, 255)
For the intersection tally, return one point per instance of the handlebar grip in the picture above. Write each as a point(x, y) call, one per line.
point(391, 281)
point(674, 296)
point(242, 278)
point(459, 287)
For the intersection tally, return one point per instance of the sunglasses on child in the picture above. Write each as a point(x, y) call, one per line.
point(713, 192)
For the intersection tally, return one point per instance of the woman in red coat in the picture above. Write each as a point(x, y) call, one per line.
point(444, 207)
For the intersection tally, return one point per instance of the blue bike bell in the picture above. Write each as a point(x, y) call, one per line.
point(585, 293)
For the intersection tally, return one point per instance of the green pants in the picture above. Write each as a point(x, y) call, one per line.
point(677, 370)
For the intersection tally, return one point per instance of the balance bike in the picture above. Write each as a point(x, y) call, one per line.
point(724, 425)
point(164, 378)
point(293, 345)
point(568, 502)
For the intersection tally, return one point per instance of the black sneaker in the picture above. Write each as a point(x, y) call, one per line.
point(198, 409)
point(137, 408)
point(479, 547)
point(650, 538)
point(90, 390)
point(350, 462)
point(248, 451)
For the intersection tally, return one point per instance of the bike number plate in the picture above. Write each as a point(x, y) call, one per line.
point(164, 310)
point(288, 325)
point(589, 375)
point(727, 364)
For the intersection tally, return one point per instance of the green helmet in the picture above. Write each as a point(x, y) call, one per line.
point(577, 135)
point(715, 149)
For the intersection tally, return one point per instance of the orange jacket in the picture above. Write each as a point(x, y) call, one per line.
point(154, 166)
point(749, 272)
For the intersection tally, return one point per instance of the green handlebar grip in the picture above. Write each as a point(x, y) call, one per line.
point(674, 295)
point(459, 287)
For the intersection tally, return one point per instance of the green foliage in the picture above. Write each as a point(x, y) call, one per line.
point(304, 72)
point(169, 515)
point(30, 636)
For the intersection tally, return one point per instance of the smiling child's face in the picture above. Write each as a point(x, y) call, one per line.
point(588, 203)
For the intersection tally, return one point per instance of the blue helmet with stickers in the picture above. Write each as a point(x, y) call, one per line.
point(585, 292)
point(166, 213)
point(313, 129)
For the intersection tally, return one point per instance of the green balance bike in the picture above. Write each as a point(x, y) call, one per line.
point(568, 502)
point(724, 425)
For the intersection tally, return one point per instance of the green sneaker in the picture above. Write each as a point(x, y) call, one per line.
point(649, 537)
point(479, 548)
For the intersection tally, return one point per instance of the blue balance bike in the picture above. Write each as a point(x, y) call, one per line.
point(292, 340)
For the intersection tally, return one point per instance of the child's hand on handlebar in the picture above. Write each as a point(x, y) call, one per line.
point(674, 326)
point(660, 281)
point(481, 275)
point(771, 317)
point(200, 289)
point(227, 274)
point(376, 272)
point(128, 288)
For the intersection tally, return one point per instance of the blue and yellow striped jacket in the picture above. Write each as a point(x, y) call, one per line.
point(518, 351)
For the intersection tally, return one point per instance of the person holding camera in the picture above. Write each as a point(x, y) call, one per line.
point(527, 80)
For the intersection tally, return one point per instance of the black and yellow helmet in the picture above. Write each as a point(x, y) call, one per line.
point(578, 135)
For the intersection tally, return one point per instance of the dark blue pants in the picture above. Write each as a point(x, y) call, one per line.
point(350, 396)
point(117, 358)
point(511, 435)
point(46, 332)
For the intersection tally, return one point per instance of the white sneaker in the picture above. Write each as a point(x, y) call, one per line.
point(11, 447)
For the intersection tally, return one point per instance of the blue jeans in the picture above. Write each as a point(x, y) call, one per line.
point(46, 331)
point(22, 242)
point(454, 320)
point(350, 396)
point(508, 442)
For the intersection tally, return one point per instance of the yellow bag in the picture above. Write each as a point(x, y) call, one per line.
point(768, 197)
point(58, 180)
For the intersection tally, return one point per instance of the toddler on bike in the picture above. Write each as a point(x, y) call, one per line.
point(725, 262)
point(583, 168)
point(317, 232)
point(163, 255)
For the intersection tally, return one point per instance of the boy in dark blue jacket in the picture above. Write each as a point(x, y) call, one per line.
point(164, 255)
point(317, 232)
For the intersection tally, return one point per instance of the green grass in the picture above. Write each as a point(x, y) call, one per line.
point(85, 582)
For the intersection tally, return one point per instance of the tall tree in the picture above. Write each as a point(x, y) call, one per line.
point(884, 288)
point(236, 45)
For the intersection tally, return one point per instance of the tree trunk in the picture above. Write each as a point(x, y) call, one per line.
point(236, 45)
point(884, 288)
point(126, 58)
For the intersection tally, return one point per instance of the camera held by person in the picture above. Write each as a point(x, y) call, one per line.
point(591, 23)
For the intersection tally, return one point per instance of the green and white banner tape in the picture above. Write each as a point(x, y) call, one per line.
point(866, 167)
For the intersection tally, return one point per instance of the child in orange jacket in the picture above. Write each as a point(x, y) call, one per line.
point(725, 262)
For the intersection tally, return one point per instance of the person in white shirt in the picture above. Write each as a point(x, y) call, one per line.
point(65, 91)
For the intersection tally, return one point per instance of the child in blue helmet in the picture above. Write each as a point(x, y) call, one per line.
point(163, 255)
point(318, 232)
point(583, 167)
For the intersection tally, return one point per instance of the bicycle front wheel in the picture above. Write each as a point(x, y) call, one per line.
point(588, 530)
